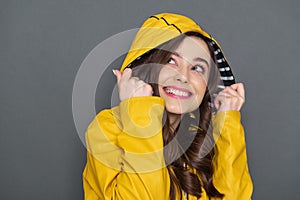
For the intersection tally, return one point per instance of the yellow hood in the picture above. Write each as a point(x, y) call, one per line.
point(163, 27)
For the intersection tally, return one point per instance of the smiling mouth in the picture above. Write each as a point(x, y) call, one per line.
point(177, 92)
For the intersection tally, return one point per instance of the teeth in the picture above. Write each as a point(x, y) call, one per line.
point(177, 92)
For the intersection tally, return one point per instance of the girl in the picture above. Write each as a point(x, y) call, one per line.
point(174, 135)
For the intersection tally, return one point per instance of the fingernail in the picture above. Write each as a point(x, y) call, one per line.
point(114, 72)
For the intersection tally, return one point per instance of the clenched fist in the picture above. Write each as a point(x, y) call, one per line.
point(231, 98)
point(131, 86)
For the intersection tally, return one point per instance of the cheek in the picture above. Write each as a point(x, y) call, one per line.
point(160, 90)
point(163, 75)
point(200, 88)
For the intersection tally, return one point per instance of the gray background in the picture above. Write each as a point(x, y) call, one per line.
point(43, 43)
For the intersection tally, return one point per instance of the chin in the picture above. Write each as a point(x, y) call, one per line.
point(179, 110)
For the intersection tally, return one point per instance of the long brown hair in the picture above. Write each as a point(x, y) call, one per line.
point(189, 171)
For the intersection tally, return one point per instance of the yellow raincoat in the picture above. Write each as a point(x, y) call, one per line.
point(125, 145)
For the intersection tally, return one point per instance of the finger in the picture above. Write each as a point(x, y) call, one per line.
point(134, 79)
point(239, 87)
point(225, 93)
point(219, 99)
point(230, 92)
point(232, 95)
point(126, 74)
point(118, 74)
point(216, 103)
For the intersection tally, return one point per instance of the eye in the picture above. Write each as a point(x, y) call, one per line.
point(171, 61)
point(198, 68)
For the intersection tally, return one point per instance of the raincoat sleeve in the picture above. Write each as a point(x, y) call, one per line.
point(231, 176)
point(125, 152)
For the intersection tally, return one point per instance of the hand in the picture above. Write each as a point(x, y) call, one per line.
point(131, 86)
point(231, 98)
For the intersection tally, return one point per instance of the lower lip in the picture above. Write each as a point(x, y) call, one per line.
point(176, 96)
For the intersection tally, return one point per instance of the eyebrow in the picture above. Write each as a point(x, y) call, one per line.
point(197, 59)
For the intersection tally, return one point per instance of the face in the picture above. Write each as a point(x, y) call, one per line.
point(182, 80)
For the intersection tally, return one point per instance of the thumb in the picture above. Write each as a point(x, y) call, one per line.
point(118, 74)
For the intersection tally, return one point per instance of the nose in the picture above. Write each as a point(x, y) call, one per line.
point(182, 74)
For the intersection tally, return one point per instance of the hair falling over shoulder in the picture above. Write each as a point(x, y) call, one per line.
point(192, 170)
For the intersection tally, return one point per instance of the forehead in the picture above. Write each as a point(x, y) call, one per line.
point(192, 47)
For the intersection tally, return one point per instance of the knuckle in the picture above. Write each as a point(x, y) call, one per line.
point(243, 101)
